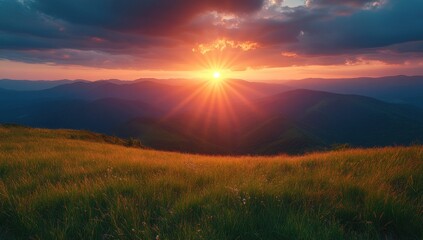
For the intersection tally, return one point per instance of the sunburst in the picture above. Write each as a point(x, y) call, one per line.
point(216, 100)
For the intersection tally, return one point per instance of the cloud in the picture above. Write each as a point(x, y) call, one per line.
point(353, 3)
point(161, 34)
point(223, 44)
point(144, 16)
point(397, 22)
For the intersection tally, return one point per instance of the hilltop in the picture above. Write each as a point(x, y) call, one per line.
point(66, 184)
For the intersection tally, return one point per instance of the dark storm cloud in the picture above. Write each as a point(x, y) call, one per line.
point(396, 22)
point(146, 16)
point(355, 3)
point(22, 26)
point(155, 33)
point(18, 18)
point(316, 31)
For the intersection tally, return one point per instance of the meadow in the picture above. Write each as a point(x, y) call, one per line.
point(64, 184)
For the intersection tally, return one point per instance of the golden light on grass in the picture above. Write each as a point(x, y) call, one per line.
point(85, 179)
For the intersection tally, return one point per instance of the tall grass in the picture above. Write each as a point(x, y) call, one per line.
point(53, 185)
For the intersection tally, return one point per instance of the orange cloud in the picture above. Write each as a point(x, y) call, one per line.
point(289, 54)
point(223, 43)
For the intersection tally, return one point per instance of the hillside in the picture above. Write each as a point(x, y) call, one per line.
point(338, 118)
point(291, 122)
point(397, 89)
point(64, 184)
point(232, 117)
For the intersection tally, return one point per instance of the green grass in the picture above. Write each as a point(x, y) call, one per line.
point(69, 185)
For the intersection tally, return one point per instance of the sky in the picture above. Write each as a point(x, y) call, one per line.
point(247, 39)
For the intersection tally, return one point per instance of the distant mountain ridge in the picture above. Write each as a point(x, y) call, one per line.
point(235, 117)
point(32, 85)
point(397, 89)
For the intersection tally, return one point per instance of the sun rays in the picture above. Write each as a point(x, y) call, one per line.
point(212, 107)
point(216, 105)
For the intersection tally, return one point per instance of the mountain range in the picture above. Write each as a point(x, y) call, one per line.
point(396, 89)
point(231, 117)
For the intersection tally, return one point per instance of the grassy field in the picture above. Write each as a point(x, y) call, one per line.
point(74, 185)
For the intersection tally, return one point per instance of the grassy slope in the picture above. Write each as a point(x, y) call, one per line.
point(54, 186)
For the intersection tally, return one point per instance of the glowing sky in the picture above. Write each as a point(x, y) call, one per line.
point(249, 39)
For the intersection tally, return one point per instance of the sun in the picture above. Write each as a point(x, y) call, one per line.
point(216, 75)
